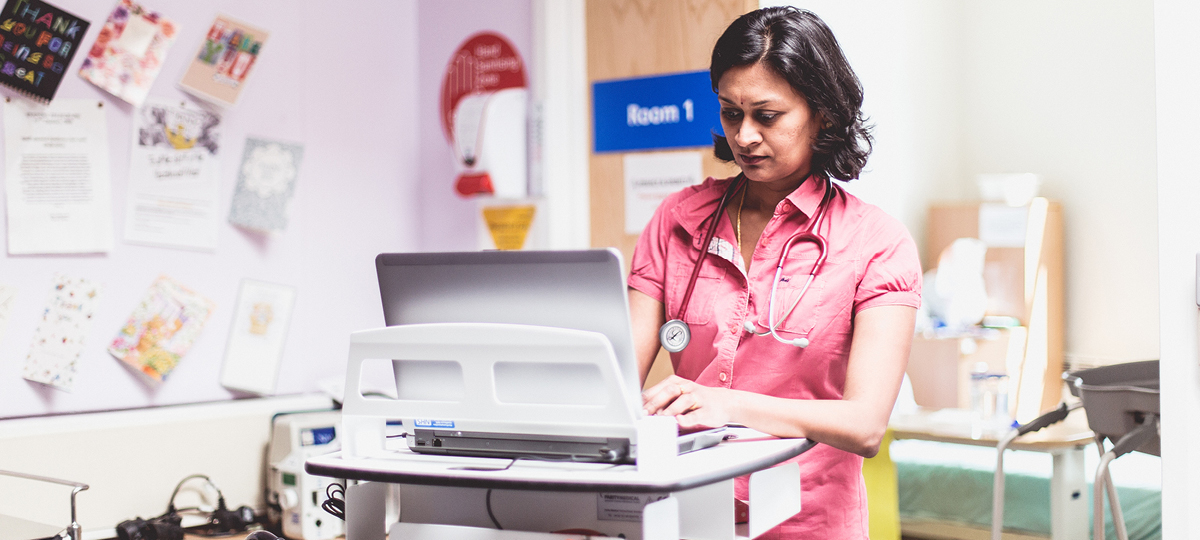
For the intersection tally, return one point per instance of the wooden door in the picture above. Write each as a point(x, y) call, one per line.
point(638, 38)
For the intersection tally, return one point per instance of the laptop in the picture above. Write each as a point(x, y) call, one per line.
point(576, 290)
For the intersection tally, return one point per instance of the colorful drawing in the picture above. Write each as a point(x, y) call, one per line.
point(58, 340)
point(261, 315)
point(162, 329)
point(166, 125)
point(220, 68)
point(129, 52)
point(231, 49)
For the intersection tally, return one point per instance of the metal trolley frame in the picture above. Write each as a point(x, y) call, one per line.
point(73, 530)
point(1122, 406)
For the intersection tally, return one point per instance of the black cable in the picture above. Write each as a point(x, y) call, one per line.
point(171, 504)
point(335, 501)
point(488, 501)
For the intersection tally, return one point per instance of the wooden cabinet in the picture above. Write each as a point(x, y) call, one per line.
point(1023, 274)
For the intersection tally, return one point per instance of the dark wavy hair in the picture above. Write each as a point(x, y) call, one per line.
point(799, 47)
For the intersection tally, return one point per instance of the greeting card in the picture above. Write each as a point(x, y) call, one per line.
point(256, 338)
point(39, 41)
point(129, 52)
point(266, 182)
point(58, 340)
point(162, 329)
point(218, 71)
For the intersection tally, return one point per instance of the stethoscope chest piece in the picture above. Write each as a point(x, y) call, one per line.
point(674, 335)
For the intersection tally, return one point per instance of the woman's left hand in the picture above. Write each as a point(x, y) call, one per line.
point(694, 406)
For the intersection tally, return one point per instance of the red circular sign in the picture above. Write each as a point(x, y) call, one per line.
point(485, 62)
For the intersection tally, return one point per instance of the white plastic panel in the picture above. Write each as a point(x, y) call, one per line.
point(549, 383)
point(660, 520)
point(422, 351)
point(774, 497)
point(706, 513)
point(366, 514)
point(429, 380)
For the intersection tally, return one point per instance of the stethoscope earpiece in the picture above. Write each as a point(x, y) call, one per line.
point(753, 329)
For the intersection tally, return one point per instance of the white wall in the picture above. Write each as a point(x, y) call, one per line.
point(1062, 89)
point(1066, 90)
point(908, 56)
point(1177, 50)
point(560, 93)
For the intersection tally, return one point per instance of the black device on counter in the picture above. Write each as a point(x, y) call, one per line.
point(165, 527)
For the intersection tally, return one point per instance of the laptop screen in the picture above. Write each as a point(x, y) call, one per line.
point(582, 290)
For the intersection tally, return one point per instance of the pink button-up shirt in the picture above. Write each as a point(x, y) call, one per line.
point(871, 261)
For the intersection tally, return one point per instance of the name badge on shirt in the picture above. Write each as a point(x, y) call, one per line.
point(721, 248)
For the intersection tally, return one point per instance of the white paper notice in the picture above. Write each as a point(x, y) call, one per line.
point(173, 176)
point(649, 178)
point(256, 339)
point(59, 196)
point(1001, 225)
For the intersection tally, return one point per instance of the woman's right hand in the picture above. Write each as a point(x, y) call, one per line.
point(693, 405)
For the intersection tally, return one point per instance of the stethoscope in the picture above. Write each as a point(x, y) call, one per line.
point(675, 334)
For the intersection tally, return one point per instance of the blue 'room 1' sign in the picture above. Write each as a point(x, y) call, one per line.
point(648, 113)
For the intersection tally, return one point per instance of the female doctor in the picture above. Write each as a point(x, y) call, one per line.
point(790, 302)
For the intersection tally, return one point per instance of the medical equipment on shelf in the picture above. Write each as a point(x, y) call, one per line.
point(295, 437)
point(675, 334)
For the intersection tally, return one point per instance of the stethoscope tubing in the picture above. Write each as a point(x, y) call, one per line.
point(714, 220)
point(811, 233)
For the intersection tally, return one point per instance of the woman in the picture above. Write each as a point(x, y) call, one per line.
point(831, 369)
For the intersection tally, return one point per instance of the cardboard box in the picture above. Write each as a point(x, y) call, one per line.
point(940, 368)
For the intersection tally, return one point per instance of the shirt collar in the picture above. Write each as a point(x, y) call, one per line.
point(693, 211)
point(807, 197)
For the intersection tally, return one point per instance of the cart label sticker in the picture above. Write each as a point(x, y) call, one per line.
point(440, 424)
point(624, 506)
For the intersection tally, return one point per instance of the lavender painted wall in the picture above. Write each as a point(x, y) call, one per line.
point(338, 79)
point(448, 222)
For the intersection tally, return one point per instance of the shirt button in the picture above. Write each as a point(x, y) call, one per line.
point(723, 376)
point(733, 328)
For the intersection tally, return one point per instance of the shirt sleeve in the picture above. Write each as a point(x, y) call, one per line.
point(648, 269)
point(892, 269)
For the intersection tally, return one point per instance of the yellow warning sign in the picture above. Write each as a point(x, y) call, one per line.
point(509, 225)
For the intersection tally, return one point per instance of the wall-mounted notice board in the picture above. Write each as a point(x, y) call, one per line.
point(314, 153)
